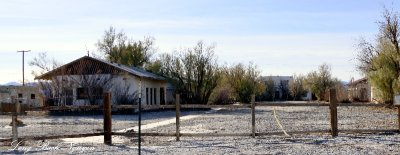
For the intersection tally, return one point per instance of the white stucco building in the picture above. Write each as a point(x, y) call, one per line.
point(83, 81)
point(281, 87)
point(26, 95)
point(361, 90)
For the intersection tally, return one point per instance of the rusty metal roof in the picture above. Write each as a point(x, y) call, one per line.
point(97, 66)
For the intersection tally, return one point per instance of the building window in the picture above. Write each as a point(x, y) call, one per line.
point(82, 93)
point(147, 96)
point(33, 96)
point(151, 96)
point(97, 92)
point(19, 95)
point(155, 97)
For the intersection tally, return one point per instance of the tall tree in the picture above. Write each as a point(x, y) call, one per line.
point(245, 81)
point(380, 61)
point(194, 72)
point(119, 49)
point(296, 87)
point(43, 64)
point(320, 81)
point(50, 89)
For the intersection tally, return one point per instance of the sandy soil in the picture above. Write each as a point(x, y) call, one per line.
point(217, 121)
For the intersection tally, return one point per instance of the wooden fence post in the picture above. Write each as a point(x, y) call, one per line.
point(15, 121)
point(333, 111)
point(107, 118)
point(178, 115)
point(253, 116)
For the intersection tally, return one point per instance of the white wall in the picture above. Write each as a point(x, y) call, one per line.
point(124, 81)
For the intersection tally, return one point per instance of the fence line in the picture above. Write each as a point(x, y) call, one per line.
point(107, 123)
point(200, 106)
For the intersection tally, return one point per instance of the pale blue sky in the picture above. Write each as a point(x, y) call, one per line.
point(282, 37)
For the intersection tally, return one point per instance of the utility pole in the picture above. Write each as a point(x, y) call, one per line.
point(23, 66)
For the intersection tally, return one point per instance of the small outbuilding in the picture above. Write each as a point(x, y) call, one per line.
point(360, 91)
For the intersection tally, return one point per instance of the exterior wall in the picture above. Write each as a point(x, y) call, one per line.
point(150, 97)
point(278, 80)
point(71, 83)
point(361, 91)
point(307, 97)
point(142, 88)
point(285, 81)
point(123, 82)
point(29, 95)
point(170, 94)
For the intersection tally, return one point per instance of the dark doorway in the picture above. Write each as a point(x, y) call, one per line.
point(147, 96)
point(162, 96)
point(363, 95)
point(69, 93)
point(277, 95)
point(155, 95)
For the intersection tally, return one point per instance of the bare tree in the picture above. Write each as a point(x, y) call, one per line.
point(50, 89)
point(43, 64)
point(123, 96)
point(194, 72)
point(59, 89)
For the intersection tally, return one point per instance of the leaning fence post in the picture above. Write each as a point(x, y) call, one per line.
point(253, 116)
point(107, 118)
point(178, 115)
point(15, 121)
point(333, 112)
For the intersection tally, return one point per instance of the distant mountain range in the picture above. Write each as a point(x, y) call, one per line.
point(13, 83)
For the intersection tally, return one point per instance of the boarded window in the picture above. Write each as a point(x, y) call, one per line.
point(19, 95)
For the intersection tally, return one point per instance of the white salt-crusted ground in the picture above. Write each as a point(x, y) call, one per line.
point(221, 121)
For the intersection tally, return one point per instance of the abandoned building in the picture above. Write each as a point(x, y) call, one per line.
point(83, 81)
point(27, 95)
point(360, 91)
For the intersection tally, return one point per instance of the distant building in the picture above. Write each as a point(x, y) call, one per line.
point(281, 87)
point(27, 95)
point(361, 91)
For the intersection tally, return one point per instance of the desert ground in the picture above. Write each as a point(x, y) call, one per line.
point(214, 121)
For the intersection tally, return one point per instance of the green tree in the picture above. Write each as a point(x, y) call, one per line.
point(320, 81)
point(117, 48)
point(269, 91)
point(194, 72)
point(380, 61)
point(245, 81)
point(223, 93)
point(296, 87)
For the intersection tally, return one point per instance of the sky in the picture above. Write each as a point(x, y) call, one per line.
point(281, 37)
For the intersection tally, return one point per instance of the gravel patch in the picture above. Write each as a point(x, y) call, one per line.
point(225, 121)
